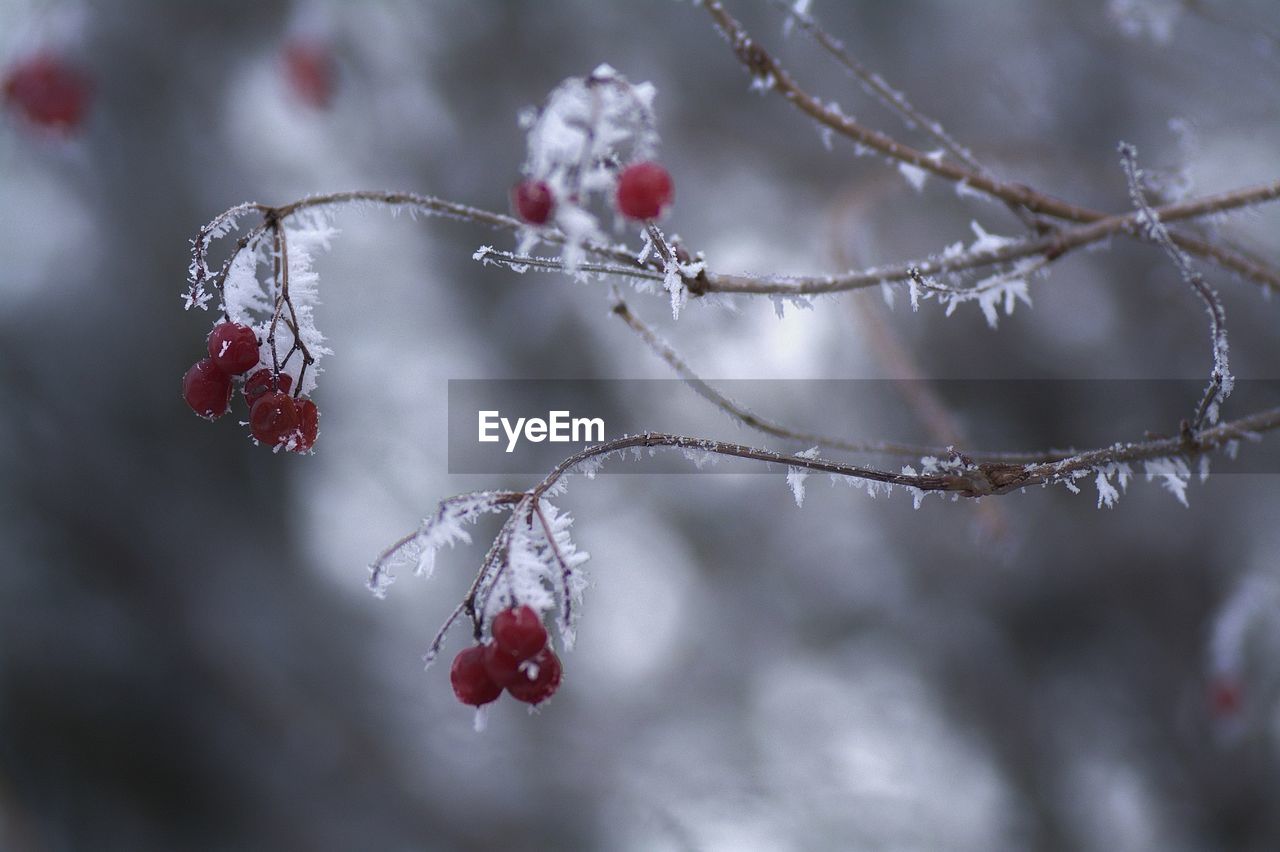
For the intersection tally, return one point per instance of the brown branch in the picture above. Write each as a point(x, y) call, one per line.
point(1152, 228)
point(753, 421)
point(762, 66)
point(1051, 246)
point(895, 101)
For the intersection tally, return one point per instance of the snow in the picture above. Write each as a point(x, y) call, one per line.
point(1173, 474)
point(914, 175)
point(797, 475)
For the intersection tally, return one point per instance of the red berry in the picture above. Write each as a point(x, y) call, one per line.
point(309, 69)
point(207, 389)
point(1225, 698)
point(545, 680)
point(519, 632)
point(501, 666)
point(260, 382)
point(470, 682)
point(233, 347)
point(643, 190)
point(533, 201)
point(49, 92)
point(308, 426)
point(273, 418)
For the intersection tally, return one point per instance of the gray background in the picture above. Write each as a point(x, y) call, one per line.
point(188, 658)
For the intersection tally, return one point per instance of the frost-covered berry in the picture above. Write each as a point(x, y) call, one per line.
point(533, 201)
point(644, 189)
point(471, 683)
point(207, 389)
point(519, 632)
point(308, 426)
point(538, 680)
point(273, 418)
point(310, 71)
point(233, 347)
point(502, 667)
point(260, 382)
point(49, 92)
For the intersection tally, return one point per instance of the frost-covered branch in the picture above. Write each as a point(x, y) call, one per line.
point(1151, 227)
point(769, 73)
point(893, 99)
point(964, 478)
point(956, 259)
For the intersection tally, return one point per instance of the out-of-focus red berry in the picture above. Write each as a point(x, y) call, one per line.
point(1225, 697)
point(533, 201)
point(644, 189)
point(311, 72)
point(49, 92)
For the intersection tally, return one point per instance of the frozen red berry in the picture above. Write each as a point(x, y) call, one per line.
point(207, 389)
point(471, 683)
point(304, 438)
point(233, 347)
point(519, 632)
point(273, 418)
point(501, 666)
point(538, 679)
point(49, 92)
point(261, 382)
point(533, 201)
point(644, 189)
point(311, 72)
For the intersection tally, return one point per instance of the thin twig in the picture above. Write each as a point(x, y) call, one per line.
point(520, 262)
point(1151, 227)
point(753, 421)
point(566, 573)
point(895, 101)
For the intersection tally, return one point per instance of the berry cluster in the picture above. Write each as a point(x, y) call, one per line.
point(48, 91)
point(518, 660)
point(275, 417)
point(644, 190)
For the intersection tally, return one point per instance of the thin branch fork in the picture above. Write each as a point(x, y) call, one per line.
point(762, 66)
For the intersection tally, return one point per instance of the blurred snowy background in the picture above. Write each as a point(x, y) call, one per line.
point(189, 658)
